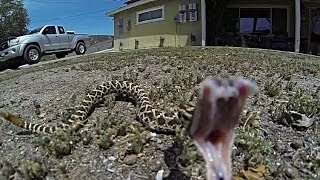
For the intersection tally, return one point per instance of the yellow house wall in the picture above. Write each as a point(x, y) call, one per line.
point(148, 34)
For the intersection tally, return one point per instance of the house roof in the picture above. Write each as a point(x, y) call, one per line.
point(311, 1)
point(131, 1)
point(130, 4)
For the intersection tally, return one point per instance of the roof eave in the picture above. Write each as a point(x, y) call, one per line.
point(129, 6)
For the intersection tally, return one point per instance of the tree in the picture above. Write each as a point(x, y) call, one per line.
point(13, 19)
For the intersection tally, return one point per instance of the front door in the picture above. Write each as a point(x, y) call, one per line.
point(64, 40)
point(51, 38)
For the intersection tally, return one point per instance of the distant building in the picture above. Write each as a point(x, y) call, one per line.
point(276, 24)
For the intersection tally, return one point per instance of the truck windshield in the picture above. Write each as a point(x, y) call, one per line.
point(35, 30)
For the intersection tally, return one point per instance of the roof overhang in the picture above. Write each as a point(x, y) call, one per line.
point(129, 6)
point(311, 1)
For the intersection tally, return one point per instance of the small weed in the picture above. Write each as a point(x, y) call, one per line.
point(302, 102)
point(251, 140)
point(59, 144)
point(272, 89)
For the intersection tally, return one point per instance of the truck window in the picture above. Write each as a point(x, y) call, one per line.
point(61, 30)
point(50, 30)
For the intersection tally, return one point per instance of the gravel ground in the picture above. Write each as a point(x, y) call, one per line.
point(277, 139)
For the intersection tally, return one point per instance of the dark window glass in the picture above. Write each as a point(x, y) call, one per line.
point(231, 20)
point(279, 21)
point(50, 30)
point(255, 20)
point(61, 30)
point(155, 14)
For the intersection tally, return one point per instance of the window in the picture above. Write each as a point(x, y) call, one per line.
point(182, 13)
point(120, 25)
point(193, 13)
point(128, 25)
point(255, 20)
point(61, 30)
point(230, 20)
point(248, 20)
point(50, 30)
point(150, 15)
point(279, 21)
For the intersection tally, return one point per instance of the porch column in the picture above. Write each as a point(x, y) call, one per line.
point(203, 22)
point(297, 26)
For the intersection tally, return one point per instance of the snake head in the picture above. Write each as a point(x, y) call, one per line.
point(216, 115)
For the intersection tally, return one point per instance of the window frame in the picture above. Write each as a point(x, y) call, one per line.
point(61, 32)
point(149, 10)
point(248, 9)
point(53, 27)
point(288, 7)
point(120, 25)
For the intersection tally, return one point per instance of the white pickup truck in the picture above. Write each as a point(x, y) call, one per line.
point(46, 40)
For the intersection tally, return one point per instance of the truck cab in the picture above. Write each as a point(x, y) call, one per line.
point(45, 40)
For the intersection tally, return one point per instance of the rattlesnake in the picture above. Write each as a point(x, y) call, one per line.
point(150, 117)
point(213, 118)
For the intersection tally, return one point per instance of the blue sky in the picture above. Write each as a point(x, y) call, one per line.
point(81, 16)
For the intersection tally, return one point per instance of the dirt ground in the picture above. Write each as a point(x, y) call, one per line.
point(277, 139)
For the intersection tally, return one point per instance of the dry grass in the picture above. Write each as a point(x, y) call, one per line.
point(288, 82)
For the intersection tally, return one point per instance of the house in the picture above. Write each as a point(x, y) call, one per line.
point(257, 23)
point(154, 23)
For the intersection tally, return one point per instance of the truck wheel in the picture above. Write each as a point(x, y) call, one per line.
point(32, 54)
point(60, 55)
point(80, 48)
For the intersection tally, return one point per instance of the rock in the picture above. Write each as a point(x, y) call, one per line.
point(141, 67)
point(111, 158)
point(166, 69)
point(297, 144)
point(37, 107)
point(179, 67)
point(301, 120)
point(130, 159)
point(86, 138)
point(290, 171)
point(42, 115)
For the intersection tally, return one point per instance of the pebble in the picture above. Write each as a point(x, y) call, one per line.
point(111, 158)
point(141, 68)
point(42, 115)
point(152, 134)
point(130, 159)
point(290, 171)
point(166, 69)
point(297, 144)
